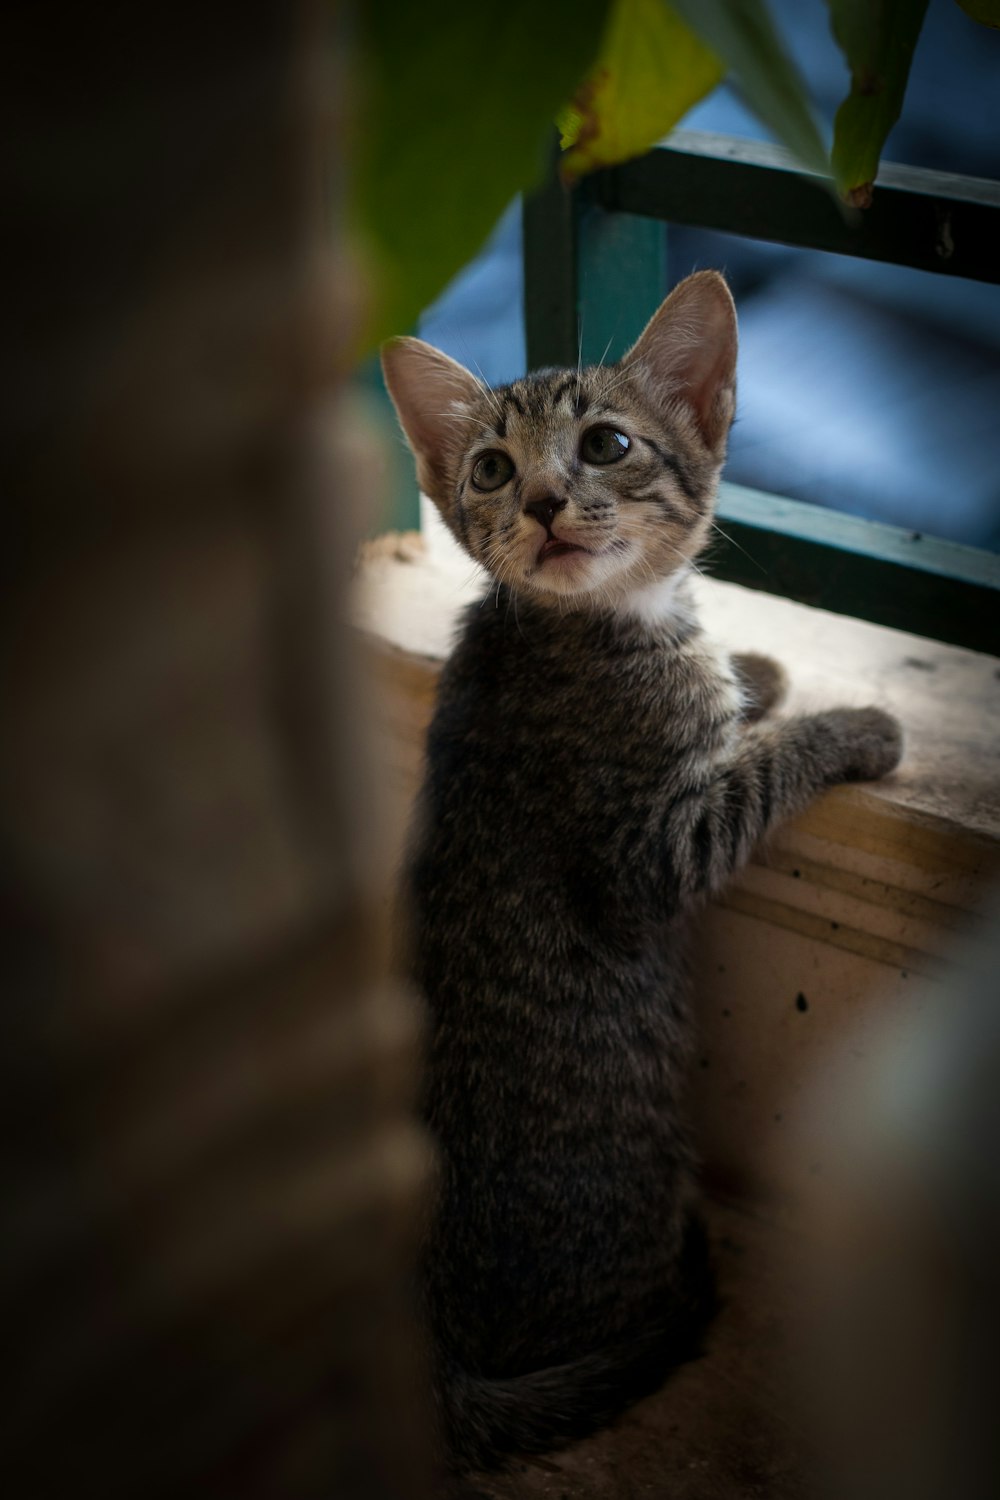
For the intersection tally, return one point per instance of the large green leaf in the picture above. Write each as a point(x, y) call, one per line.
point(986, 11)
point(649, 72)
point(743, 34)
point(877, 37)
point(456, 101)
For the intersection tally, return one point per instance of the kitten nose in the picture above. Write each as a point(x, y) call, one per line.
point(544, 509)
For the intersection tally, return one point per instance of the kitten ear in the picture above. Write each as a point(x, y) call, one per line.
point(687, 352)
point(430, 393)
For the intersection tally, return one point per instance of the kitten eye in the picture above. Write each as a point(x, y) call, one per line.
point(603, 445)
point(491, 471)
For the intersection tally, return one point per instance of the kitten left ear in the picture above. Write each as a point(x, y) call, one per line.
point(687, 352)
point(429, 391)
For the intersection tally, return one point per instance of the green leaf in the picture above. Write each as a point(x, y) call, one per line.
point(743, 34)
point(456, 101)
point(649, 72)
point(877, 37)
point(985, 11)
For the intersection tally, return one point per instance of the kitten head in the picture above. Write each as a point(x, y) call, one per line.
point(581, 485)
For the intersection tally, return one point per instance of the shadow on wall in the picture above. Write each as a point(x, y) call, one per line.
point(896, 1356)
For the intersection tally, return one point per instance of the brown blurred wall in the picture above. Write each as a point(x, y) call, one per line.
point(211, 1174)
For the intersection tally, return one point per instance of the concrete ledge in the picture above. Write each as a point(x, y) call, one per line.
point(856, 908)
point(850, 917)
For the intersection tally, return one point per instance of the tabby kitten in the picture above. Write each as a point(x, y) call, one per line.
point(592, 774)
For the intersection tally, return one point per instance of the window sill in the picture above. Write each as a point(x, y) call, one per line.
point(854, 906)
point(847, 918)
point(947, 698)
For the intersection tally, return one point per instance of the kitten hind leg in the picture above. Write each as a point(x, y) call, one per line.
point(764, 682)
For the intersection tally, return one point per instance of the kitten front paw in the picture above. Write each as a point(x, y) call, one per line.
point(869, 742)
point(764, 682)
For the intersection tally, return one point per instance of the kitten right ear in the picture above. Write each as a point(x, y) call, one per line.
point(687, 353)
point(431, 394)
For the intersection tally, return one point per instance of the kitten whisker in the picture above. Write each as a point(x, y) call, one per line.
point(517, 621)
point(487, 391)
point(619, 379)
point(502, 568)
point(481, 381)
point(614, 333)
point(733, 542)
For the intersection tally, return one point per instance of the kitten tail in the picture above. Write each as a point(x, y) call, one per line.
point(486, 1421)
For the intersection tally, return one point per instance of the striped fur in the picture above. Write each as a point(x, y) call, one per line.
point(593, 772)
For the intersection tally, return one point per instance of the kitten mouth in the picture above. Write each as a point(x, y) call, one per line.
point(553, 547)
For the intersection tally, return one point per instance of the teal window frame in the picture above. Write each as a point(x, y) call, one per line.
point(595, 269)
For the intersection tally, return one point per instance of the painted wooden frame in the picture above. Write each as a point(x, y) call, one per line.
point(594, 263)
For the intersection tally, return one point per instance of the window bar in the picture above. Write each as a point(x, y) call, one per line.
point(589, 248)
point(933, 221)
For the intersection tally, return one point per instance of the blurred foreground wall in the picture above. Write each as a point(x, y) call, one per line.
point(210, 1174)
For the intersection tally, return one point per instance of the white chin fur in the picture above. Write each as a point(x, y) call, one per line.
point(574, 576)
point(655, 603)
